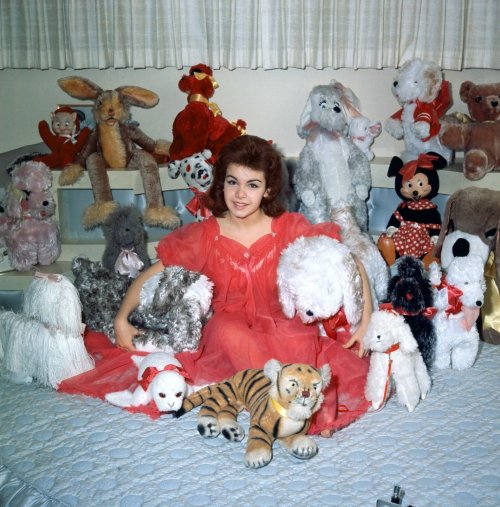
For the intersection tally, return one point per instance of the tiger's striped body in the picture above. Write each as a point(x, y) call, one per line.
point(280, 400)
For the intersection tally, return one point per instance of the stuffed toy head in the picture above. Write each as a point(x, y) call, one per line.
point(478, 136)
point(199, 80)
point(417, 80)
point(483, 100)
point(328, 107)
point(125, 236)
point(65, 121)
point(162, 386)
point(317, 277)
point(417, 179)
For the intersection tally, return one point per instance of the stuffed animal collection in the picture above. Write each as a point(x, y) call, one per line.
point(27, 228)
point(161, 380)
point(478, 136)
point(112, 145)
point(394, 356)
point(281, 400)
point(413, 228)
point(199, 133)
point(65, 139)
point(44, 342)
point(424, 97)
point(332, 171)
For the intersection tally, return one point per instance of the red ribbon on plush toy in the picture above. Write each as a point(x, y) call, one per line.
point(454, 293)
point(424, 161)
point(333, 323)
point(151, 371)
point(197, 203)
point(428, 312)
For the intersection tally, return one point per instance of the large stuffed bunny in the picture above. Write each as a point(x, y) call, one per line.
point(332, 171)
point(112, 145)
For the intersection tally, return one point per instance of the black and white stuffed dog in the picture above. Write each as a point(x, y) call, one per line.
point(174, 305)
point(410, 294)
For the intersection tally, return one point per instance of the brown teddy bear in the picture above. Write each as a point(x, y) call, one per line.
point(479, 135)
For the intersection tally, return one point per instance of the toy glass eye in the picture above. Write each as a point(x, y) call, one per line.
point(178, 395)
point(337, 109)
point(161, 395)
point(395, 84)
point(490, 233)
point(420, 184)
point(322, 104)
point(478, 99)
point(416, 82)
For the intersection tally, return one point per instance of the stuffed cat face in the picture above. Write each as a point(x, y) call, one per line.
point(64, 123)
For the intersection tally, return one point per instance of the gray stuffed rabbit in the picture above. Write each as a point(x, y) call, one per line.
point(332, 171)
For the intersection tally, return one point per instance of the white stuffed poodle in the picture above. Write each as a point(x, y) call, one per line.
point(424, 97)
point(332, 171)
point(394, 357)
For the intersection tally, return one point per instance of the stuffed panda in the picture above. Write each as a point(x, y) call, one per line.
point(415, 224)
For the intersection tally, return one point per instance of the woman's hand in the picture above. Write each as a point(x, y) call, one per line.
point(125, 333)
point(357, 337)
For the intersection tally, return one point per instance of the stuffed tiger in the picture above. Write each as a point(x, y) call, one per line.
point(281, 400)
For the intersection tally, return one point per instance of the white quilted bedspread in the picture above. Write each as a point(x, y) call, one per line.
point(57, 449)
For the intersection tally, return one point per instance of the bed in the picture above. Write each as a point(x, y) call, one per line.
point(64, 450)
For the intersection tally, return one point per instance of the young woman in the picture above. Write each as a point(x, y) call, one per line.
point(238, 248)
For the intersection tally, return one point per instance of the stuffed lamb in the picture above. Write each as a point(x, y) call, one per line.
point(332, 171)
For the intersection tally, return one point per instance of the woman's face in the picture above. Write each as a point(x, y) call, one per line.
point(244, 189)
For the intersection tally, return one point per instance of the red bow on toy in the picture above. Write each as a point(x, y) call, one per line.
point(454, 293)
point(428, 312)
point(333, 323)
point(197, 204)
point(151, 371)
point(424, 161)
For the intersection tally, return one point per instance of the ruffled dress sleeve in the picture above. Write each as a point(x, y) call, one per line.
point(187, 246)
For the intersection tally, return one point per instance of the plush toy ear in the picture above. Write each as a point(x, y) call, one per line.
point(305, 119)
point(465, 90)
point(440, 163)
point(407, 342)
point(326, 375)
point(138, 96)
point(394, 167)
point(447, 224)
point(286, 300)
point(352, 288)
point(79, 87)
point(272, 369)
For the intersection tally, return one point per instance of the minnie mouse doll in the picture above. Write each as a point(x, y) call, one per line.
point(413, 228)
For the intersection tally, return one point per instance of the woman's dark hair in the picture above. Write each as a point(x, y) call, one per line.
point(258, 154)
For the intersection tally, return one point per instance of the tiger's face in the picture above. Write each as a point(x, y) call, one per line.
point(298, 388)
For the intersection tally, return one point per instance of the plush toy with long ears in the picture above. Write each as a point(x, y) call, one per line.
point(112, 145)
point(199, 133)
point(65, 139)
point(332, 171)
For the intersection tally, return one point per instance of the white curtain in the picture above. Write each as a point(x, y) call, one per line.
point(269, 34)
